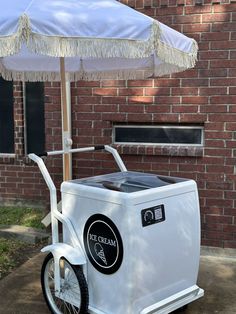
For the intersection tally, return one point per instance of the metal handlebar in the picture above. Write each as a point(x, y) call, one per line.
point(108, 148)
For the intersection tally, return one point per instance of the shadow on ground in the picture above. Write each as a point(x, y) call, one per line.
point(20, 292)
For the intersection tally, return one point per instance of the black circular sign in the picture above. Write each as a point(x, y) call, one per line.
point(103, 244)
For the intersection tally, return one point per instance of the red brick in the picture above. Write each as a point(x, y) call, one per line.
point(140, 99)
point(148, 11)
point(114, 117)
point(193, 28)
point(225, 8)
point(218, 135)
point(157, 91)
point(216, 17)
point(170, 11)
point(195, 18)
point(113, 83)
point(158, 109)
point(219, 235)
point(210, 109)
point(210, 91)
point(192, 118)
point(106, 108)
point(216, 45)
point(185, 109)
point(142, 83)
point(232, 72)
point(223, 99)
point(114, 100)
point(163, 82)
point(218, 54)
point(186, 91)
point(131, 91)
point(215, 36)
point(223, 63)
point(105, 91)
point(219, 219)
point(223, 82)
point(136, 117)
point(132, 108)
point(167, 100)
point(195, 100)
point(195, 82)
point(198, 9)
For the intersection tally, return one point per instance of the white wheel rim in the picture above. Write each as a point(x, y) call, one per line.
point(70, 289)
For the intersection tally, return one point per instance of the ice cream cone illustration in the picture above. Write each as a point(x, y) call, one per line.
point(100, 252)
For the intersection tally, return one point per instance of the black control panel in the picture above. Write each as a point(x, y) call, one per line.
point(153, 215)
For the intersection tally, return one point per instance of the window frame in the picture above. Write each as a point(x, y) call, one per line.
point(166, 126)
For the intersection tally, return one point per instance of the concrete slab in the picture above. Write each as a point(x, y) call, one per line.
point(20, 292)
point(217, 276)
point(25, 234)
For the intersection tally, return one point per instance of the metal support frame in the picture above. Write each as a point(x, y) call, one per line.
point(56, 216)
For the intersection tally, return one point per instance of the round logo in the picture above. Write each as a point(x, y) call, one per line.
point(103, 244)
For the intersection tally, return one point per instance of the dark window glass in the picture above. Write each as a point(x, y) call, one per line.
point(35, 122)
point(158, 135)
point(6, 117)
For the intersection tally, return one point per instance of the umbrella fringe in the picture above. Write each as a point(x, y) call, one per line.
point(57, 46)
point(174, 56)
point(75, 76)
point(11, 44)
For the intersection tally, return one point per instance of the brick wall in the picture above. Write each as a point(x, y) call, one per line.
point(203, 95)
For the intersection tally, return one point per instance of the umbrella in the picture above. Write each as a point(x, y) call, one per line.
point(72, 40)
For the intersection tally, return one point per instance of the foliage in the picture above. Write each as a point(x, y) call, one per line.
point(27, 217)
point(7, 250)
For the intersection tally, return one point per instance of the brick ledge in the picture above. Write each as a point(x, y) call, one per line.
point(165, 150)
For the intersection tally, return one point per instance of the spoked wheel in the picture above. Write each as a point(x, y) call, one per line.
point(74, 289)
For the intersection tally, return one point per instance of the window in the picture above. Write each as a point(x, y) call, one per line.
point(158, 135)
point(6, 117)
point(34, 118)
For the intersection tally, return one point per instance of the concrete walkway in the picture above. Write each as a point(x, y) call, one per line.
point(20, 292)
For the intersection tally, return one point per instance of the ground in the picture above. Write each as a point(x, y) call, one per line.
point(14, 253)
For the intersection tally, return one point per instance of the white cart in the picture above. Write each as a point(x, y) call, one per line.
point(131, 243)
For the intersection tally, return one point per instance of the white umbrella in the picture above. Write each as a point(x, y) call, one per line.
point(86, 39)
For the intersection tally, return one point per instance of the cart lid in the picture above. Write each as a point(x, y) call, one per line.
point(128, 181)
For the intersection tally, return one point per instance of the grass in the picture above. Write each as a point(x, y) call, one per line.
point(27, 217)
point(14, 252)
point(8, 249)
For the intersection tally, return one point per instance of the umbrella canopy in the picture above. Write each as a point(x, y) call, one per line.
point(94, 39)
point(101, 39)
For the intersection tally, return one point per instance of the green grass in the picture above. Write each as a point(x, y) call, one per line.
point(27, 217)
point(7, 249)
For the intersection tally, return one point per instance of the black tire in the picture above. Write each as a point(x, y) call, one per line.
point(74, 283)
point(180, 310)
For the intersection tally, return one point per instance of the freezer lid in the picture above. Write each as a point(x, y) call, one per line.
point(128, 181)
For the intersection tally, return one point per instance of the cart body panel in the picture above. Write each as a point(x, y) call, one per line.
point(160, 256)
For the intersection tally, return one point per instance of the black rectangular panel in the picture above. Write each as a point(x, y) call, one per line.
point(35, 120)
point(6, 117)
point(158, 135)
point(153, 215)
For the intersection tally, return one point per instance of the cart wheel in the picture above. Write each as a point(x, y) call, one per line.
point(73, 287)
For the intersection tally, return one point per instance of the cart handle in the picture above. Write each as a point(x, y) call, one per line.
point(108, 148)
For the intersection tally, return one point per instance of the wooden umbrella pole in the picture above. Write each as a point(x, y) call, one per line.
point(65, 123)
